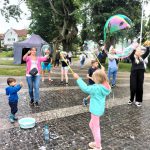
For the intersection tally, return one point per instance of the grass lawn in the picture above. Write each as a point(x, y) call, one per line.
point(18, 71)
point(6, 54)
point(10, 63)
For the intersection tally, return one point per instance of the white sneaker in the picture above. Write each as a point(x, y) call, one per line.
point(138, 104)
point(130, 103)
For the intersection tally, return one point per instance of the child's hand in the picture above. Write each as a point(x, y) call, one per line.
point(21, 84)
point(76, 76)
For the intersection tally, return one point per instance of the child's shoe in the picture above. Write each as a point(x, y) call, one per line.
point(15, 118)
point(11, 119)
point(113, 85)
point(92, 145)
point(85, 102)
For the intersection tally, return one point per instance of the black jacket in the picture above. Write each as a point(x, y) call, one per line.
point(140, 65)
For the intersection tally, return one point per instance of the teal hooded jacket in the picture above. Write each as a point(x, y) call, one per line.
point(98, 94)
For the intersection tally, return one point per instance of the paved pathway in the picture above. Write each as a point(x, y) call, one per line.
point(123, 127)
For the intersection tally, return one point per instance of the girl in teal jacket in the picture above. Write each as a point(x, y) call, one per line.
point(98, 93)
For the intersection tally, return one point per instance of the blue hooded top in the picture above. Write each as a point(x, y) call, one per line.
point(11, 91)
point(98, 94)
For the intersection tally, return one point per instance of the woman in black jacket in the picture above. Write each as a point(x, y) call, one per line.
point(137, 76)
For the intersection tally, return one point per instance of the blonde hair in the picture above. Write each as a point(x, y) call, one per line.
point(94, 61)
point(100, 76)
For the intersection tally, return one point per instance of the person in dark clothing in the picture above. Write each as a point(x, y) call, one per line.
point(92, 69)
point(137, 76)
point(11, 92)
point(57, 58)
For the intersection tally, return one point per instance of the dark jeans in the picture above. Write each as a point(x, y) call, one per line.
point(136, 85)
point(14, 107)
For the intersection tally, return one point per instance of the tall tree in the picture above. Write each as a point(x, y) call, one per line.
point(58, 20)
point(101, 10)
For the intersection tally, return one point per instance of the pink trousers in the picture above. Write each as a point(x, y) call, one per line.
point(95, 128)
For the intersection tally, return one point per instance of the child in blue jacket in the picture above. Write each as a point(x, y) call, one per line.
point(11, 91)
point(98, 93)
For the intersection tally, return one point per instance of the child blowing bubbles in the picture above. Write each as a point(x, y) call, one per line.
point(11, 91)
point(98, 93)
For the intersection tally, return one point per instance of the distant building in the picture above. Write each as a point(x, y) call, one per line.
point(1, 40)
point(13, 35)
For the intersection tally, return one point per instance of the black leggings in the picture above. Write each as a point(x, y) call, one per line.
point(136, 85)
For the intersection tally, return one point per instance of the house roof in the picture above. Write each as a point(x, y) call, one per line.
point(22, 32)
point(1, 36)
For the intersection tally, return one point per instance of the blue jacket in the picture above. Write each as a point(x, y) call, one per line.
point(98, 94)
point(11, 91)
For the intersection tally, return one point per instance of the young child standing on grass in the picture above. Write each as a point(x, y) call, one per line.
point(98, 93)
point(94, 67)
point(11, 91)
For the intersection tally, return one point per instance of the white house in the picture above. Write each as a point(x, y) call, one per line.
point(13, 35)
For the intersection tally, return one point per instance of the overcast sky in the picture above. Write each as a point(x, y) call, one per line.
point(24, 22)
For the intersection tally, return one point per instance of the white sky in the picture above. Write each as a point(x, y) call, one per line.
point(24, 22)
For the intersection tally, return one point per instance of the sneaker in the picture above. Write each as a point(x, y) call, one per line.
point(66, 83)
point(85, 102)
point(15, 118)
point(32, 102)
point(113, 85)
point(50, 80)
point(96, 148)
point(129, 103)
point(36, 104)
point(138, 104)
point(92, 145)
point(11, 119)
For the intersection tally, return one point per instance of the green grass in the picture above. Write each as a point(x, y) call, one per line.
point(19, 71)
point(10, 63)
point(6, 54)
point(124, 67)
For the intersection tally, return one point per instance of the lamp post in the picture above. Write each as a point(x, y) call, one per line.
point(142, 22)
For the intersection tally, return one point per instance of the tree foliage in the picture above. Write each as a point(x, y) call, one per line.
point(8, 10)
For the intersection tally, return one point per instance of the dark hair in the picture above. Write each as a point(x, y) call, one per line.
point(10, 80)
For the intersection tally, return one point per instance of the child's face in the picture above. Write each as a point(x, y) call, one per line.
point(12, 83)
point(95, 65)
